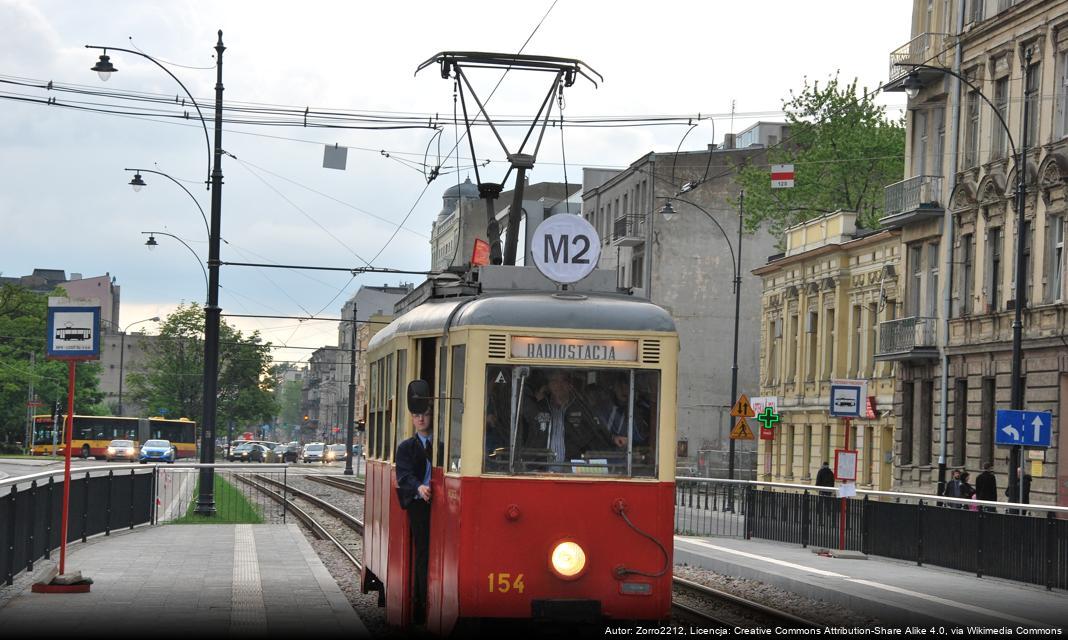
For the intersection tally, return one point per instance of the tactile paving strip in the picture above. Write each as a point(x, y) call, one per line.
point(248, 616)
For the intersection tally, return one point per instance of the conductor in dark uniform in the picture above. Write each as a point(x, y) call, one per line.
point(413, 491)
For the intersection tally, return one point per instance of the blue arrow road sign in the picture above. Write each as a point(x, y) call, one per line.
point(1023, 428)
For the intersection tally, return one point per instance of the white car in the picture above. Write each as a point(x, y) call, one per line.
point(122, 450)
point(314, 452)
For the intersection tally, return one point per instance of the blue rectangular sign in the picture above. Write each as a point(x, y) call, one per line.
point(845, 401)
point(73, 333)
point(1023, 428)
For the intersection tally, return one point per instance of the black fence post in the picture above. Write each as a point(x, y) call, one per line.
point(750, 500)
point(865, 526)
point(155, 494)
point(1051, 548)
point(981, 514)
point(9, 578)
point(921, 507)
point(85, 509)
point(48, 517)
point(31, 513)
point(285, 489)
point(805, 519)
point(132, 482)
point(107, 508)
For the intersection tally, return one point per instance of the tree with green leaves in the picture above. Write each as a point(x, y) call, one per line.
point(23, 331)
point(844, 151)
point(174, 377)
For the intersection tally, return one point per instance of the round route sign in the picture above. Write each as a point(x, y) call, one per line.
point(565, 248)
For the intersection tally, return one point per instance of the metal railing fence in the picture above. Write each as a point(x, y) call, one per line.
point(905, 334)
point(1026, 543)
point(108, 498)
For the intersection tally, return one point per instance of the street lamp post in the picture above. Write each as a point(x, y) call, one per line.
point(104, 67)
point(152, 244)
point(912, 85)
point(122, 353)
point(736, 263)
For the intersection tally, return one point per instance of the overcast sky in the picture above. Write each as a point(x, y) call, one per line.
point(65, 203)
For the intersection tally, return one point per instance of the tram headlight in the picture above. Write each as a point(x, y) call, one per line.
point(568, 560)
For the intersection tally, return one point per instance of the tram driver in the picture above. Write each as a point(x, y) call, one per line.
point(558, 418)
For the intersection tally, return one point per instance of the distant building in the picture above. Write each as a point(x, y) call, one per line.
point(103, 288)
point(685, 265)
point(823, 301)
point(462, 219)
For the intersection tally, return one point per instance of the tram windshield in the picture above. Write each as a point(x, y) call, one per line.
point(571, 420)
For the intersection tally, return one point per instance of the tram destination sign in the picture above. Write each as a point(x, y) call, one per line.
point(541, 348)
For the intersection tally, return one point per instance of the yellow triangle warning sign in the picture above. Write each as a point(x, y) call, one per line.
point(741, 430)
point(742, 408)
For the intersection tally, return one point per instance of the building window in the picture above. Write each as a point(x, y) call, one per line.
point(806, 455)
point(976, 13)
point(971, 131)
point(791, 354)
point(993, 279)
point(857, 333)
point(869, 454)
point(1022, 296)
point(919, 142)
point(873, 331)
point(1001, 103)
point(637, 271)
point(907, 407)
point(940, 142)
point(828, 344)
point(986, 428)
point(1055, 264)
point(1061, 126)
point(967, 273)
point(926, 433)
point(960, 423)
point(932, 280)
point(811, 329)
point(1031, 102)
point(915, 284)
point(825, 444)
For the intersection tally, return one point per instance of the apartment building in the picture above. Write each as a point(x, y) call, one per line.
point(956, 214)
point(822, 302)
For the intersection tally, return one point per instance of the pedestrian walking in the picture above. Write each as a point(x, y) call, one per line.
point(952, 488)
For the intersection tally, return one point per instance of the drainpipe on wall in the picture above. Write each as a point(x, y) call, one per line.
point(947, 242)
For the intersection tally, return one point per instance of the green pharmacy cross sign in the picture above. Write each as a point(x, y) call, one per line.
point(768, 418)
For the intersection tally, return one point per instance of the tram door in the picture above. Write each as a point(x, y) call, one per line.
point(428, 369)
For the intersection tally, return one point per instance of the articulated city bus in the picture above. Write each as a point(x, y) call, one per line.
point(91, 434)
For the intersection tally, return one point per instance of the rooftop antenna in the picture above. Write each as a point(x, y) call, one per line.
point(565, 71)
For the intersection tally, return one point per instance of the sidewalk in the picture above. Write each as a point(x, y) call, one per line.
point(893, 591)
point(178, 580)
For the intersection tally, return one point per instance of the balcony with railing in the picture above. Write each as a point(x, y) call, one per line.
point(912, 338)
point(628, 230)
point(914, 199)
point(925, 49)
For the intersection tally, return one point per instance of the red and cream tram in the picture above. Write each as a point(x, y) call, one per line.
point(553, 461)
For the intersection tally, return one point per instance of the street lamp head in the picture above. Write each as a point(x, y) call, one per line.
point(667, 211)
point(103, 66)
point(137, 182)
point(912, 85)
point(151, 243)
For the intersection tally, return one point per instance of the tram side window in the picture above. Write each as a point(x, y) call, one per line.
point(571, 420)
point(439, 415)
point(387, 409)
point(456, 408)
point(401, 387)
point(372, 426)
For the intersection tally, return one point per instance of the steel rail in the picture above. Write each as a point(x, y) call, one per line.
point(705, 591)
point(350, 520)
point(352, 486)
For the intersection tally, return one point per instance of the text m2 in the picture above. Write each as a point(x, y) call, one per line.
point(557, 249)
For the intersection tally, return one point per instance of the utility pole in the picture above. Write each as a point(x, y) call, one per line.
point(351, 419)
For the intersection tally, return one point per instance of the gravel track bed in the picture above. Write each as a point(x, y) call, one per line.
point(816, 611)
point(365, 605)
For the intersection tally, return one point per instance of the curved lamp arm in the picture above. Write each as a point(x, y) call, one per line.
point(195, 254)
point(734, 260)
point(195, 201)
point(203, 123)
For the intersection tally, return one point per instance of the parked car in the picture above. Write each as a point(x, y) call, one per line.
point(314, 452)
point(121, 450)
point(335, 453)
point(158, 451)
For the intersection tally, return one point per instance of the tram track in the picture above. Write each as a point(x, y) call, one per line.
point(268, 487)
point(352, 486)
point(742, 611)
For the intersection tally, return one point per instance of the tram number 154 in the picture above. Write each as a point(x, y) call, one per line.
point(505, 582)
